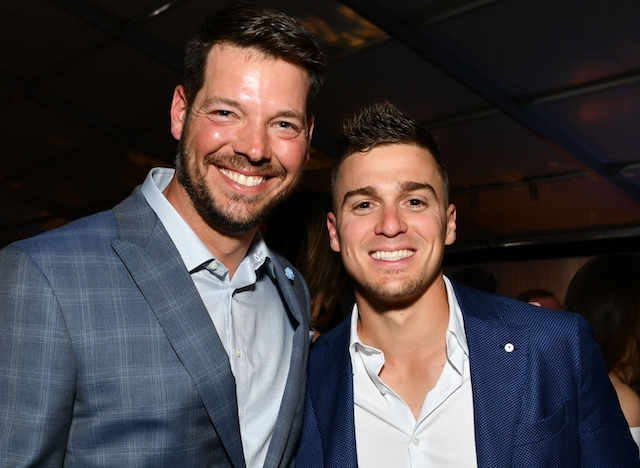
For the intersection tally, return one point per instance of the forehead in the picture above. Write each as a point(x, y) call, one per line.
point(230, 62)
point(388, 166)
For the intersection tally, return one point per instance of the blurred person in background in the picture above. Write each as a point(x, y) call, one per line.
point(297, 229)
point(606, 291)
point(540, 297)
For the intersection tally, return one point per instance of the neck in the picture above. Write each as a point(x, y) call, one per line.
point(413, 340)
point(416, 324)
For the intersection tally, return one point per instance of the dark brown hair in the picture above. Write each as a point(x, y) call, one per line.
point(380, 124)
point(606, 291)
point(297, 229)
point(253, 27)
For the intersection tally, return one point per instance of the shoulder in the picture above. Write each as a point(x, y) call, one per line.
point(79, 240)
point(629, 401)
point(74, 237)
point(329, 371)
point(338, 334)
point(549, 329)
point(60, 257)
point(94, 233)
point(493, 308)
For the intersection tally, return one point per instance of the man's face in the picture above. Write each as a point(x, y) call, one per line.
point(391, 224)
point(245, 140)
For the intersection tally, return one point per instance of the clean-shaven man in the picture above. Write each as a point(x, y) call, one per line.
point(429, 373)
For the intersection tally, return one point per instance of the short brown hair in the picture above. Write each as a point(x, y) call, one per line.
point(382, 123)
point(254, 27)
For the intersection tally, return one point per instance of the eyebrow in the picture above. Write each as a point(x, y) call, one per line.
point(368, 191)
point(410, 186)
point(293, 115)
point(403, 187)
point(215, 100)
point(211, 101)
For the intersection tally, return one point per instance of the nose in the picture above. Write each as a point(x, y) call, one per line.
point(252, 141)
point(391, 222)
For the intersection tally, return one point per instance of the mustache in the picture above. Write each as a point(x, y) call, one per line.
point(238, 162)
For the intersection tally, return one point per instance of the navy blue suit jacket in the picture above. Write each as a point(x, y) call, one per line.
point(108, 356)
point(548, 403)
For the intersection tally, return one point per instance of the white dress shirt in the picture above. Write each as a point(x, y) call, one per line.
point(248, 314)
point(635, 433)
point(387, 433)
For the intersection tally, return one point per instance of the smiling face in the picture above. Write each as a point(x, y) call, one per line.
point(391, 224)
point(245, 139)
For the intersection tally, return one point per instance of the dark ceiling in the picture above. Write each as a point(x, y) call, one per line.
point(535, 104)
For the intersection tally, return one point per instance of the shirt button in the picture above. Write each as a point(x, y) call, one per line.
point(383, 390)
point(213, 265)
point(508, 347)
point(257, 257)
point(415, 441)
point(238, 352)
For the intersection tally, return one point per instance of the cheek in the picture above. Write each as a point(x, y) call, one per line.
point(352, 237)
point(203, 138)
point(291, 155)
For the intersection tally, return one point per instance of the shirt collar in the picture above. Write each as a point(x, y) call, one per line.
point(457, 348)
point(192, 250)
point(259, 255)
point(456, 321)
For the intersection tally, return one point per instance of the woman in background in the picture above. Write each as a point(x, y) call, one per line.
point(606, 291)
point(297, 229)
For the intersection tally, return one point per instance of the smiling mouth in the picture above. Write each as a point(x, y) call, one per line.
point(241, 179)
point(392, 256)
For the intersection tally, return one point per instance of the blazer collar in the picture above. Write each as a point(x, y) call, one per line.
point(296, 300)
point(155, 265)
point(331, 390)
point(498, 357)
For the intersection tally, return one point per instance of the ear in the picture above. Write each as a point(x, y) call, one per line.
point(334, 240)
point(178, 111)
point(452, 218)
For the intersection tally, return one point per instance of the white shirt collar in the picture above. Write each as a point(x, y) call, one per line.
point(456, 337)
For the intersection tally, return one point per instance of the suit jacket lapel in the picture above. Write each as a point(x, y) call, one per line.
point(498, 357)
point(331, 390)
point(296, 300)
point(155, 265)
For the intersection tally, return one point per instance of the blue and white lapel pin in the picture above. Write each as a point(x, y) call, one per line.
point(288, 272)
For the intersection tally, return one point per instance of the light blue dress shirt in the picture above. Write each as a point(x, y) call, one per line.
point(249, 316)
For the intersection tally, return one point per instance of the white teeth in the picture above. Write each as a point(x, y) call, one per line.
point(241, 179)
point(392, 256)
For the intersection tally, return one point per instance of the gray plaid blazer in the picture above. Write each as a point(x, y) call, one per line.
point(108, 356)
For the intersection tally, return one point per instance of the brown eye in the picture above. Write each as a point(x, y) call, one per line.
point(287, 129)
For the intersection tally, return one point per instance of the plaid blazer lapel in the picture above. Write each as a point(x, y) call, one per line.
point(289, 423)
point(155, 265)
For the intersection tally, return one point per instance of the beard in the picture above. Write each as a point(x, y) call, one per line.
point(392, 293)
point(242, 213)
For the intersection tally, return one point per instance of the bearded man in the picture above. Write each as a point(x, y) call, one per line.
point(164, 332)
